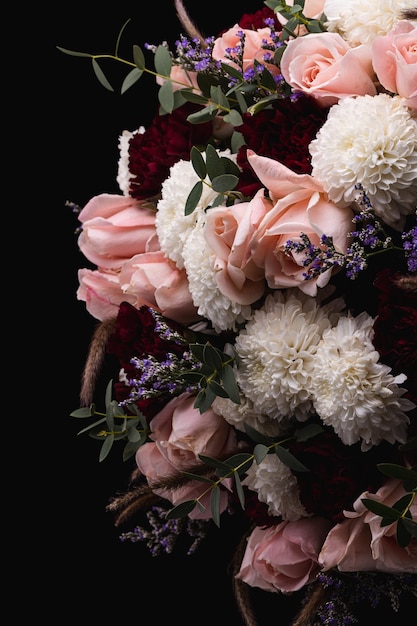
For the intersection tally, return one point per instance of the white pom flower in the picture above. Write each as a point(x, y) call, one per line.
point(172, 225)
point(277, 487)
point(360, 22)
point(199, 263)
point(371, 141)
point(276, 354)
point(353, 392)
point(123, 172)
point(238, 414)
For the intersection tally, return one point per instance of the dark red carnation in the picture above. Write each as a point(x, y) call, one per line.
point(396, 325)
point(135, 336)
point(253, 21)
point(338, 474)
point(282, 133)
point(168, 139)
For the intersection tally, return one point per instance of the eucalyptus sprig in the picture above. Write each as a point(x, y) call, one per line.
point(223, 176)
point(113, 425)
point(215, 376)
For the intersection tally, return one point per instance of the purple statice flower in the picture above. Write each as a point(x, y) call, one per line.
point(161, 535)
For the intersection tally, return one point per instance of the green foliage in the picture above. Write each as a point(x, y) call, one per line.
point(399, 513)
point(222, 174)
point(215, 376)
point(114, 425)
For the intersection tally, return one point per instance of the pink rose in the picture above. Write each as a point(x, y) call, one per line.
point(298, 205)
point(325, 67)
point(180, 433)
point(284, 557)
point(101, 292)
point(180, 79)
point(227, 232)
point(360, 543)
point(254, 40)
point(394, 58)
point(153, 280)
point(114, 228)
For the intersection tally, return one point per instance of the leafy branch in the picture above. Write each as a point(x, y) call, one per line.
point(109, 429)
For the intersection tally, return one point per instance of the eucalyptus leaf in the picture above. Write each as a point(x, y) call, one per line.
point(181, 510)
point(166, 96)
point(131, 79)
point(198, 163)
point(139, 58)
point(202, 479)
point(229, 383)
point(163, 62)
point(191, 96)
point(260, 451)
point(217, 389)
point(73, 53)
point(108, 393)
point(211, 462)
point(92, 426)
point(106, 447)
point(289, 459)
point(224, 182)
point(100, 75)
point(237, 141)
point(398, 471)
point(233, 117)
point(204, 400)
point(82, 412)
point(239, 490)
point(201, 117)
point(213, 162)
point(215, 505)
point(381, 509)
point(193, 198)
point(402, 535)
point(411, 526)
point(211, 357)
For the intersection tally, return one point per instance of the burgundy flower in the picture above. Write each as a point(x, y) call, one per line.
point(283, 133)
point(338, 474)
point(253, 21)
point(396, 324)
point(168, 139)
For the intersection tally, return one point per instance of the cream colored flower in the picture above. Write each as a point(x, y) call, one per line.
point(276, 353)
point(360, 22)
point(277, 487)
point(353, 392)
point(371, 141)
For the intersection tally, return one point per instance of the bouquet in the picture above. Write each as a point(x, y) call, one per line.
point(256, 283)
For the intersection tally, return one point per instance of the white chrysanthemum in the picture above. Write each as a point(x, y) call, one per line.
point(277, 487)
point(237, 414)
point(353, 392)
point(277, 351)
point(360, 22)
point(172, 225)
point(371, 141)
point(199, 263)
point(123, 172)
